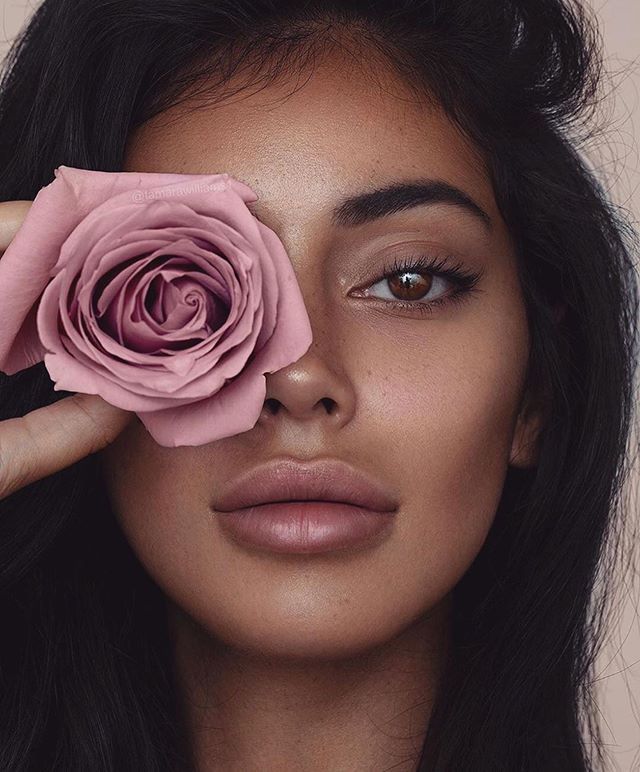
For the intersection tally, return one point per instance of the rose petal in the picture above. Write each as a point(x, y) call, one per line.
point(179, 321)
point(234, 409)
point(56, 210)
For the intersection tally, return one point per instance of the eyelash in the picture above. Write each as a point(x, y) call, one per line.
point(464, 280)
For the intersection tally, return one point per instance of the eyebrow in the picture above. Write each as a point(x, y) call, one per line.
point(398, 196)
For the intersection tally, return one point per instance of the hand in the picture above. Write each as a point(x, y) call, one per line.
point(53, 437)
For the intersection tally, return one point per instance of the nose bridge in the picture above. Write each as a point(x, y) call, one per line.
point(323, 303)
point(307, 249)
point(318, 383)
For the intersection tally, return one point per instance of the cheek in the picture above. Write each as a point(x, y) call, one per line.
point(158, 497)
point(445, 408)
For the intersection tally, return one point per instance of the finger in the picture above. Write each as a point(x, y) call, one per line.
point(12, 214)
point(53, 437)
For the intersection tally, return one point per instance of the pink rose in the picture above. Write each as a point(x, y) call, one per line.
point(162, 293)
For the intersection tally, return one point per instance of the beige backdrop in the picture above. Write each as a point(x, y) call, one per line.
point(615, 155)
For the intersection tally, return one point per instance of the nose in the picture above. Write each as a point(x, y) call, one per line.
point(314, 388)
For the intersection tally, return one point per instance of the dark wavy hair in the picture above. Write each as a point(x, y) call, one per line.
point(86, 672)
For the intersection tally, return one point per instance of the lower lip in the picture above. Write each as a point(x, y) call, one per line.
point(305, 526)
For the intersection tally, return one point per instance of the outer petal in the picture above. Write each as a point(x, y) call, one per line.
point(292, 335)
point(234, 409)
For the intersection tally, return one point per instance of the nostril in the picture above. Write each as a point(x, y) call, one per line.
point(329, 404)
point(271, 405)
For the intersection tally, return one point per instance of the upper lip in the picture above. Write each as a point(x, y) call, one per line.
point(320, 480)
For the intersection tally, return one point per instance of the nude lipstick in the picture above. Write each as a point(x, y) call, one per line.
point(289, 506)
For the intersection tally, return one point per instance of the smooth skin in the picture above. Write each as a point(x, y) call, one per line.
point(331, 661)
point(53, 437)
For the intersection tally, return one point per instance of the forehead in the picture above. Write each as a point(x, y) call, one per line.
point(307, 140)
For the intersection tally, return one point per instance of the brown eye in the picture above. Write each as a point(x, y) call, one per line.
point(409, 285)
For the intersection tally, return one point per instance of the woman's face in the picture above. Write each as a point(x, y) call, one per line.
point(427, 403)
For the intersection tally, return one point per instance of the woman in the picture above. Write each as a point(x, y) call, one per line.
point(473, 304)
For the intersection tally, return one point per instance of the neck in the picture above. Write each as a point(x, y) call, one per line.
point(251, 710)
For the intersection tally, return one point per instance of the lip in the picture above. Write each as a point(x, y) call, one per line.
point(294, 507)
point(320, 480)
